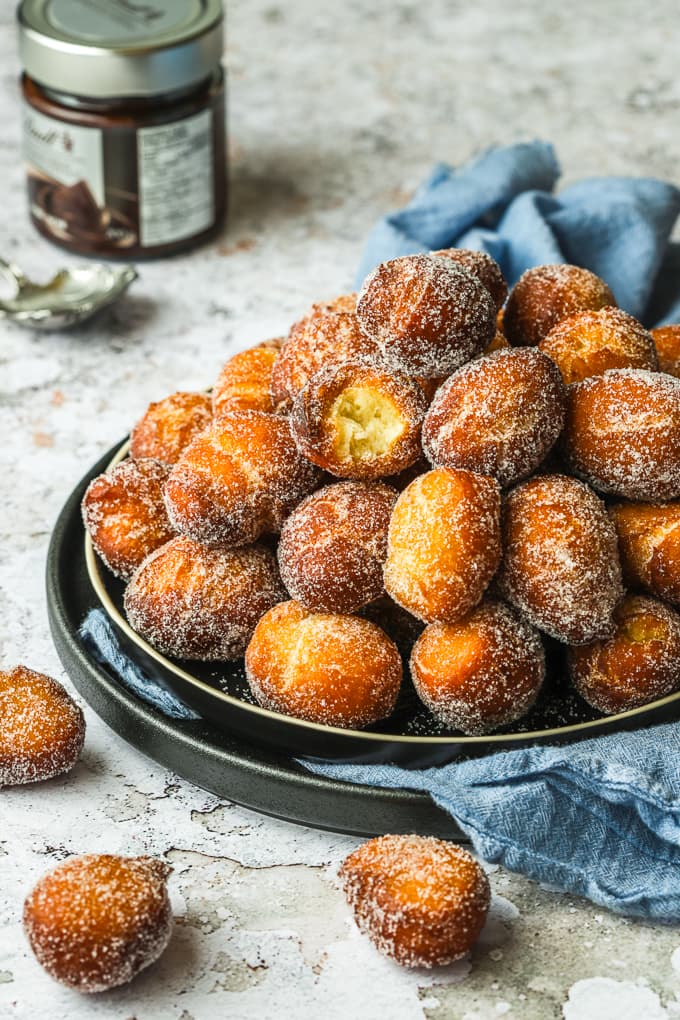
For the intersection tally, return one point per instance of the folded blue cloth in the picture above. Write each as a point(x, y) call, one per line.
point(600, 818)
point(503, 203)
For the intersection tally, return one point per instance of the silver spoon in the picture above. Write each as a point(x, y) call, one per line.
point(69, 298)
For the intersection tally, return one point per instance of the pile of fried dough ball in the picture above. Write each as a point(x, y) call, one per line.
point(96, 920)
point(501, 467)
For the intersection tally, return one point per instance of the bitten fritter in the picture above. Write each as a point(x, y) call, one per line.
point(359, 420)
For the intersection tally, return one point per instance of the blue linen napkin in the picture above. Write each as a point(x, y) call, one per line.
point(503, 203)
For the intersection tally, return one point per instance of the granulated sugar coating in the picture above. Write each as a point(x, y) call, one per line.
point(328, 335)
point(639, 663)
point(331, 669)
point(482, 672)
point(561, 564)
point(545, 295)
point(649, 544)
point(238, 480)
point(42, 730)
point(427, 315)
point(359, 420)
point(483, 267)
point(333, 546)
point(667, 343)
point(622, 433)
point(124, 513)
point(590, 343)
point(244, 384)
point(499, 415)
point(169, 425)
point(96, 921)
point(199, 603)
point(421, 901)
point(444, 544)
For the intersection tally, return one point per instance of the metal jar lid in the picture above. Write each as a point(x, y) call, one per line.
point(109, 49)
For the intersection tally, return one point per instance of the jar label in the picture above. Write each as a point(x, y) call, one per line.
point(177, 198)
point(120, 188)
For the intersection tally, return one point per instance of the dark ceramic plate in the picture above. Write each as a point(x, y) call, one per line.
point(411, 736)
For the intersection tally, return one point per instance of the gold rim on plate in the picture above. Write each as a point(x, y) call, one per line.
point(391, 738)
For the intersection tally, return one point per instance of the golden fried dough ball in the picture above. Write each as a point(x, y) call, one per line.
point(561, 565)
point(667, 343)
point(444, 544)
point(622, 433)
point(482, 672)
point(169, 425)
point(94, 922)
point(334, 544)
point(198, 603)
point(328, 335)
point(358, 420)
point(124, 513)
point(589, 343)
point(649, 543)
point(327, 668)
point(499, 415)
point(421, 901)
point(427, 315)
point(42, 730)
point(545, 295)
point(639, 663)
point(238, 480)
point(483, 267)
point(244, 384)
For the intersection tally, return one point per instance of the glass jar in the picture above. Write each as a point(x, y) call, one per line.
point(124, 123)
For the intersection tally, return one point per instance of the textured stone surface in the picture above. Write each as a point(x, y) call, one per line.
point(336, 114)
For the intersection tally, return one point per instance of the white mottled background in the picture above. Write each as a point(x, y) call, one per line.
point(337, 111)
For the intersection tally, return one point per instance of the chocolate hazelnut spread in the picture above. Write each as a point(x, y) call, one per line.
point(124, 123)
